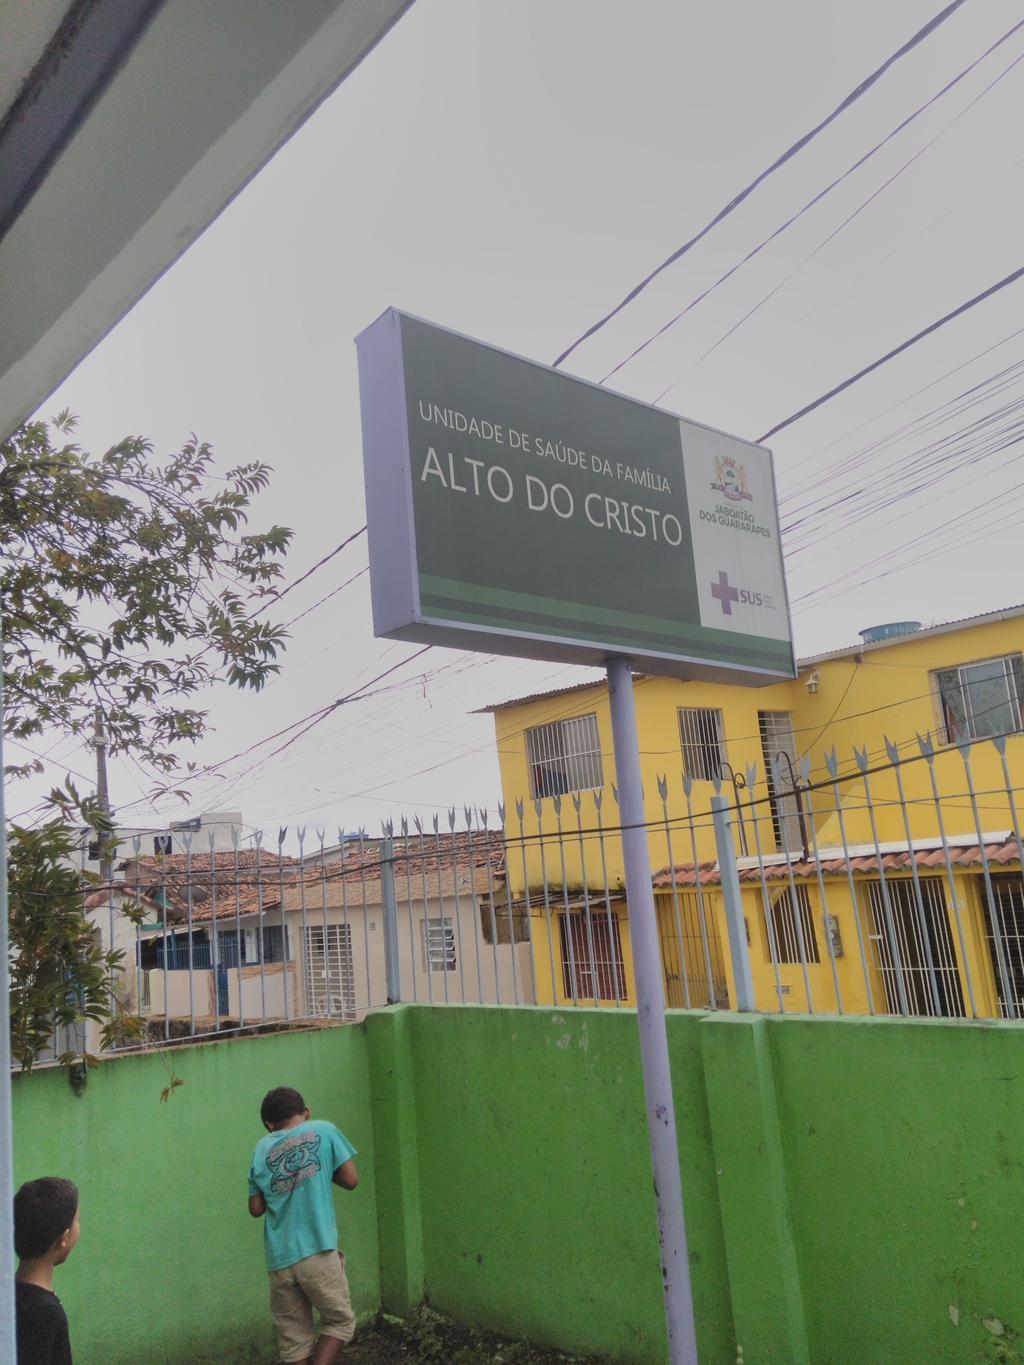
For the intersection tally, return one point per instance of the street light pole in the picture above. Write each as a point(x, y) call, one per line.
point(650, 1010)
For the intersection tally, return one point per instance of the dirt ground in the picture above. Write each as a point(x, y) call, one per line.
point(429, 1339)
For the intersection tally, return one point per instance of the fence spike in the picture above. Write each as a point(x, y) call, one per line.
point(716, 782)
point(1000, 742)
point(687, 785)
point(777, 773)
point(615, 793)
point(501, 811)
point(860, 757)
point(483, 817)
point(321, 834)
point(832, 763)
point(211, 839)
point(281, 836)
point(927, 746)
point(577, 802)
point(892, 750)
point(663, 787)
point(418, 823)
point(964, 745)
point(451, 819)
point(804, 768)
point(301, 836)
point(404, 826)
point(598, 798)
point(520, 808)
point(538, 806)
point(467, 811)
point(750, 773)
point(258, 838)
point(556, 801)
point(437, 824)
point(234, 839)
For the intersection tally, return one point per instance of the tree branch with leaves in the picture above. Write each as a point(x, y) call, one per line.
point(133, 584)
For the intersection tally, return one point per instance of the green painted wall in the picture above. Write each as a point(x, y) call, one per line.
point(854, 1187)
point(535, 1186)
point(904, 1150)
point(170, 1266)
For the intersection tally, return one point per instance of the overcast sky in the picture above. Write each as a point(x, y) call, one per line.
point(509, 169)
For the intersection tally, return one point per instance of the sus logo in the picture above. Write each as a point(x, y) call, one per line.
point(293, 1161)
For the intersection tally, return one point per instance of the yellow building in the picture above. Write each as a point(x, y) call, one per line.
point(885, 878)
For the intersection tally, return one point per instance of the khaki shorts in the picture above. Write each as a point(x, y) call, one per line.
point(317, 1282)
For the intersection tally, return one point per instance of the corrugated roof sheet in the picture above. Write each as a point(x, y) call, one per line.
point(847, 651)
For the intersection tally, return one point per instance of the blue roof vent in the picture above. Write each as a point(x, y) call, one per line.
point(889, 631)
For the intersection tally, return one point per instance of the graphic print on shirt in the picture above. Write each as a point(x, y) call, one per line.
point(294, 1161)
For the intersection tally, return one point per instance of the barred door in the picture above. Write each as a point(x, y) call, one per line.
point(907, 959)
point(592, 967)
point(1004, 933)
point(689, 958)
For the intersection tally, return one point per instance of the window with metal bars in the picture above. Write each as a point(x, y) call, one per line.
point(702, 738)
point(784, 928)
point(564, 756)
point(275, 946)
point(330, 974)
point(981, 699)
point(439, 945)
point(592, 966)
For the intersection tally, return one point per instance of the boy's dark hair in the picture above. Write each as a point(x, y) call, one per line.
point(280, 1104)
point(43, 1211)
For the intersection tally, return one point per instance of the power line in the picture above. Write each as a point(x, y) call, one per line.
point(734, 203)
point(319, 714)
point(815, 200)
point(965, 307)
point(851, 217)
point(327, 596)
point(272, 601)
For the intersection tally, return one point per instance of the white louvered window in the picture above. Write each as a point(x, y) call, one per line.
point(702, 738)
point(564, 756)
point(777, 743)
point(439, 945)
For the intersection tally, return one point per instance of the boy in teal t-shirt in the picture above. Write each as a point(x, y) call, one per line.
point(290, 1179)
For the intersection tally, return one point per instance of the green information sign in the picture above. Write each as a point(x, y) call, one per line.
point(517, 510)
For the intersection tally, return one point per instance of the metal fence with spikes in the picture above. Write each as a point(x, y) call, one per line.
point(889, 883)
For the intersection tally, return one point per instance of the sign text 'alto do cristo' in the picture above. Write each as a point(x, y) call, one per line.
point(517, 510)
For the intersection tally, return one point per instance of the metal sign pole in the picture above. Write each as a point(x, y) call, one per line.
point(650, 1010)
point(7, 1341)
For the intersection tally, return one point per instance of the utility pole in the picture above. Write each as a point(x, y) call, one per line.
point(102, 794)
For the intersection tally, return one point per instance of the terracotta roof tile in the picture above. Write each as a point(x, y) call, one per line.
point(1002, 854)
point(264, 881)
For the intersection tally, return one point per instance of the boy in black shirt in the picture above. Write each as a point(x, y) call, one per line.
point(45, 1231)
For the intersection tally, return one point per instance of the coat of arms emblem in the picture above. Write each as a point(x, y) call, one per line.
point(731, 480)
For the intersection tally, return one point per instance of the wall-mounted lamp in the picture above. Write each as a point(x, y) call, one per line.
point(812, 680)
